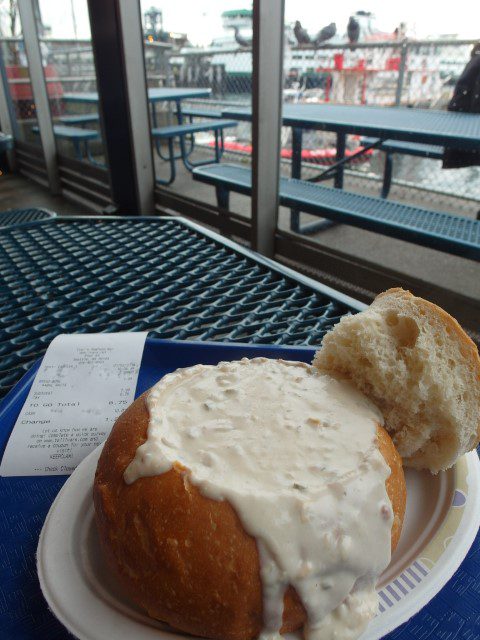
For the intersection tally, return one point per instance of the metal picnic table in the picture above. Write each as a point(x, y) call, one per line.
point(428, 126)
point(155, 95)
point(180, 281)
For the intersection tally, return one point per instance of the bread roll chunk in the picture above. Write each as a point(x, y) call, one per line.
point(415, 362)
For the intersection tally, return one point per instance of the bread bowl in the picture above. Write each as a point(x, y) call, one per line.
point(196, 551)
point(190, 559)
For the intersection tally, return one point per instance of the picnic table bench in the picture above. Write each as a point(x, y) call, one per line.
point(454, 234)
point(180, 131)
point(78, 136)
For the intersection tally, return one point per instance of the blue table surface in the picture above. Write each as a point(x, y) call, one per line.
point(427, 126)
point(156, 94)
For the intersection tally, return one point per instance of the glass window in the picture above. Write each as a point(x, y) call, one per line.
point(18, 78)
point(364, 60)
point(69, 68)
point(202, 52)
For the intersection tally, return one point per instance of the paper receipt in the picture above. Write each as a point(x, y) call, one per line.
point(84, 382)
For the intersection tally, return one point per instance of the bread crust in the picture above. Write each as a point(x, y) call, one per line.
point(395, 484)
point(185, 558)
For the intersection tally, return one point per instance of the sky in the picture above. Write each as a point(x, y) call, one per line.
point(201, 20)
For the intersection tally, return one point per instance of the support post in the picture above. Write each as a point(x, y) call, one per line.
point(341, 145)
point(137, 94)
point(39, 89)
point(267, 81)
point(401, 73)
point(8, 122)
point(117, 63)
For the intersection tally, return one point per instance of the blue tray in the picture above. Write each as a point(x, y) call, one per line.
point(24, 502)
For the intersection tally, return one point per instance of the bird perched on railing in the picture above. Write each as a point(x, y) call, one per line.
point(301, 34)
point(243, 42)
point(325, 34)
point(353, 30)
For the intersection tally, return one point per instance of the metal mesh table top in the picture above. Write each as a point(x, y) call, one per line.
point(16, 217)
point(97, 275)
point(457, 234)
point(430, 126)
point(155, 94)
point(436, 223)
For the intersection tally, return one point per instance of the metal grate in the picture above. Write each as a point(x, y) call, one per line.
point(432, 222)
point(427, 126)
point(14, 217)
point(455, 234)
point(76, 276)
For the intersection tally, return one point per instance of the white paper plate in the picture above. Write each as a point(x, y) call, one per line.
point(441, 522)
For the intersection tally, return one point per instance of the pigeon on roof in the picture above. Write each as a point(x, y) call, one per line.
point(353, 30)
point(301, 34)
point(243, 42)
point(325, 34)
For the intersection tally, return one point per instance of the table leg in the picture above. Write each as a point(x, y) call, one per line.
point(180, 120)
point(222, 143)
point(387, 175)
point(154, 126)
point(341, 142)
point(217, 147)
point(77, 149)
point(154, 113)
point(178, 105)
point(171, 157)
point(297, 153)
point(297, 134)
point(89, 156)
point(183, 152)
point(338, 167)
point(223, 198)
